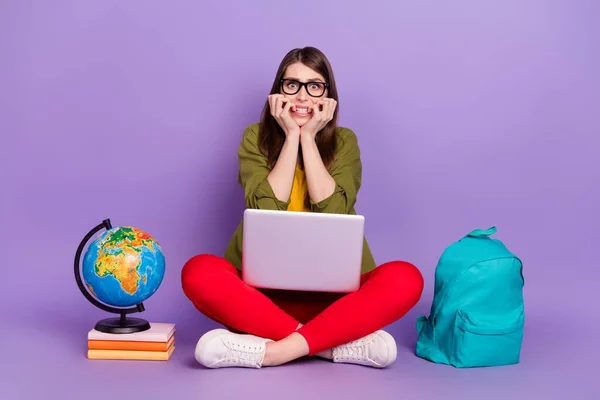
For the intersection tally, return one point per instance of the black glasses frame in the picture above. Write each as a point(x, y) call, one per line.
point(301, 85)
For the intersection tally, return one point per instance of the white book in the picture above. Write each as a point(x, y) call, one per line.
point(158, 332)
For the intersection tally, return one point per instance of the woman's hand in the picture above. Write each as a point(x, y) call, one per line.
point(319, 118)
point(280, 110)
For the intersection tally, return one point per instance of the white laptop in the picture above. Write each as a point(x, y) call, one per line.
point(305, 251)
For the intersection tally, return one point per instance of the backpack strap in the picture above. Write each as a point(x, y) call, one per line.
point(483, 233)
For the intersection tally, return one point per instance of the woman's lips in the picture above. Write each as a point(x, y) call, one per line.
point(301, 111)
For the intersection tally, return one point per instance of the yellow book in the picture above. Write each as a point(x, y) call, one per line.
point(130, 355)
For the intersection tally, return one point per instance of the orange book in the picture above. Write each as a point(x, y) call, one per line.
point(126, 345)
point(130, 355)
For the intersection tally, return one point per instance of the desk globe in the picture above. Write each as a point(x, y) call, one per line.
point(121, 269)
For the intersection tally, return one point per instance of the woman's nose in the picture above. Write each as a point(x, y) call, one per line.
point(302, 93)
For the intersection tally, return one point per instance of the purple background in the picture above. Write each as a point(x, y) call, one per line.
point(480, 114)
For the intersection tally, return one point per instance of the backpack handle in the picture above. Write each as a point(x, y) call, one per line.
point(482, 232)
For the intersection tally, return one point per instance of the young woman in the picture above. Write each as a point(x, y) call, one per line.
point(298, 159)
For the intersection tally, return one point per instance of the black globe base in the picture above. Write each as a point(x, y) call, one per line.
point(120, 325)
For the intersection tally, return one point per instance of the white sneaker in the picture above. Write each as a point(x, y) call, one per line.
point(375, 350)
point(221, 348)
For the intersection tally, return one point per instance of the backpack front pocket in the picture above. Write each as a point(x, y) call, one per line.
point(485, 340)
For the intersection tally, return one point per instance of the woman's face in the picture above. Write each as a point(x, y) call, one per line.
point(294, 76)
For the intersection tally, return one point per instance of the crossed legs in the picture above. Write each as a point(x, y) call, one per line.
point(285, 325)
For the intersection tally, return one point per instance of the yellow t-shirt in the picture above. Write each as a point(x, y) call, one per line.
point(299, 190)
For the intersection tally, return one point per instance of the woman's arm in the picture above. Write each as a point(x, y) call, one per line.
point(255, 176)
point(334, 191)
point(320, 183)
point(281, 178)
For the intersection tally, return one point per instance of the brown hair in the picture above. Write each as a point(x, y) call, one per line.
point(271, 136)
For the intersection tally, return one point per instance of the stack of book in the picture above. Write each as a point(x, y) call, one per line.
point(156, 343)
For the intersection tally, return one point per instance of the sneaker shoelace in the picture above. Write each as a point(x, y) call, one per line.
point(244, 354)
point(354, 351)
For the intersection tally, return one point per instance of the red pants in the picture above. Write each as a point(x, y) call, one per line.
point(386, 293)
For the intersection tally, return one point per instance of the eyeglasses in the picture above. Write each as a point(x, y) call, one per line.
point(314, 89)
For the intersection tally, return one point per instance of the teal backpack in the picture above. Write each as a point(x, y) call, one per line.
point(477, 315)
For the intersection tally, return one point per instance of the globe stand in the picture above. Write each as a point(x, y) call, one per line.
point(122, 324)
point(117, 325)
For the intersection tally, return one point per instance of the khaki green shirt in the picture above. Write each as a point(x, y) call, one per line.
point(254, 169)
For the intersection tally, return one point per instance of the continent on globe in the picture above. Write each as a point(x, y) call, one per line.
point(123, 266)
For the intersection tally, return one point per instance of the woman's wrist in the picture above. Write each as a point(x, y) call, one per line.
point(307, 140)
point(295, 133)
point(292, 139)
